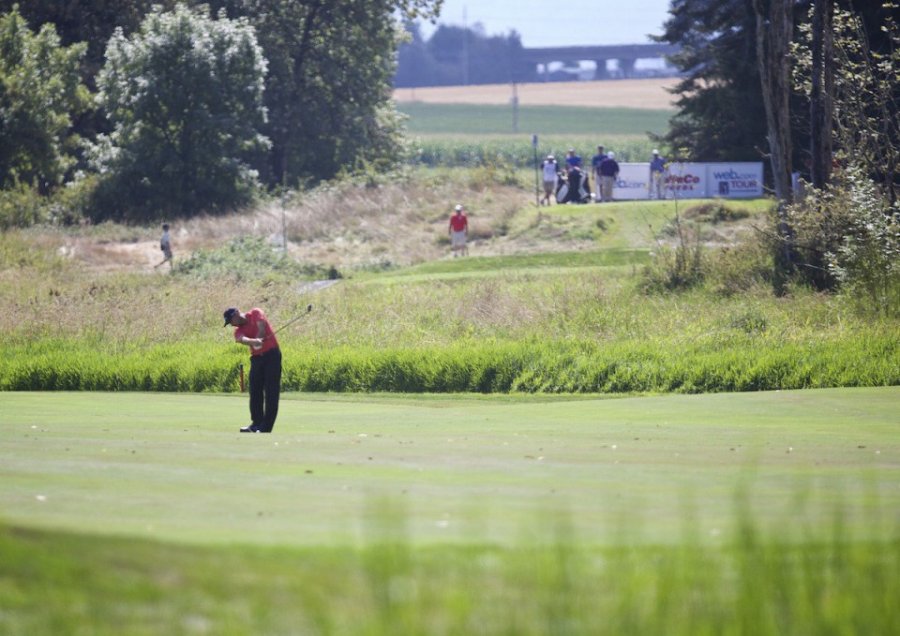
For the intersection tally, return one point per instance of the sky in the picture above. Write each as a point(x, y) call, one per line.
point(559, 23)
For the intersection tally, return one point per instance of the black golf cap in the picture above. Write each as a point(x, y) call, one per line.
point(229, 314)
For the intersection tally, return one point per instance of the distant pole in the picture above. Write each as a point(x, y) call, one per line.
point(283, 215)
point(515, 107)
point(465, 48)
point(537, 187)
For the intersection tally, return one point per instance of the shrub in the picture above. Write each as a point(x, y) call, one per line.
point(249, 258)
point(20, 206)
point(867, 262)
point(678, 267)
point(847, 236)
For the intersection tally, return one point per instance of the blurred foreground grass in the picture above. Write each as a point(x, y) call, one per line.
point(56, 583)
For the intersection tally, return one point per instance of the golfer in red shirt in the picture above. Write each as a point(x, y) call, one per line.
point(253, 329)
point(459, 231)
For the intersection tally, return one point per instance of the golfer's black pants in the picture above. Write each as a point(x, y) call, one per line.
point(265, 387)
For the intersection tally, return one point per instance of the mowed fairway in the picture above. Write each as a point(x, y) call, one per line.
point(459, 469)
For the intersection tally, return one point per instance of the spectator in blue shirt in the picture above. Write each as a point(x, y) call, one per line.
point(572, 159)
point(609, 171)
point(657, 175)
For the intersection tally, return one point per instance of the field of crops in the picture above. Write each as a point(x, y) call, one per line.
point(474, 119)
point(476, 135)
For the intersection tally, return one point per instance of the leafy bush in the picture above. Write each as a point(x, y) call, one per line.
point(23, 206)
point(867, 262)
point(249, 258)
point(848, 236)
point(20, 206)
point(40, 95)
point(185, 94)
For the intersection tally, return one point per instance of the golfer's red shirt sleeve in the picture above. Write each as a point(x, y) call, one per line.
point(251, 330)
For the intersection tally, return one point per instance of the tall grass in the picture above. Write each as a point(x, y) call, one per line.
point(756, 583)
point(736, 363)
point(554, 306)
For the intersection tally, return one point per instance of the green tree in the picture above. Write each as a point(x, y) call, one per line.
point(467, 56)
point(40, 93)
point(185, 96)
point(415, 64)
point(720, 106)
point(89, 21)
point(848, 230)
point(328, 91)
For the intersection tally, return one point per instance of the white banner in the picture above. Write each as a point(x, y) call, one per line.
point(735, 180)
point(739, 179)
point(686, 181)
point(633, 182)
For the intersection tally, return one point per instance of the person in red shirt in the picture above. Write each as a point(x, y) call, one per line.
point(459, 231)
point(253, 329)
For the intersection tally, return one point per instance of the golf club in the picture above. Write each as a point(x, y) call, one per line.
point(293, 320)
point(287, 324)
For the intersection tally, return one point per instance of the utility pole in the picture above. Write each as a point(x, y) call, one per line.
point(465, 52)
point(537, 187)
point(515, 106)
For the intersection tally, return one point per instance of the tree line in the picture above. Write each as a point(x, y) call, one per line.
point(160, 108)
point(456, 56)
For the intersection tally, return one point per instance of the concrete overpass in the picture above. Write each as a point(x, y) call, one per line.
point(626, 54)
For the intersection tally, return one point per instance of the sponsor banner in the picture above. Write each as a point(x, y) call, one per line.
point(735, 180)
point(686, 181)
point(633, 182)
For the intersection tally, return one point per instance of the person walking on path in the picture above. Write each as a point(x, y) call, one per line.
point(165, 244)
point(609, 171)
point(550, 169)
point(459, 231)
point(657, 176)
point(253, 330)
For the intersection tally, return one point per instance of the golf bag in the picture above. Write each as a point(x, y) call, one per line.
point(573, 187)
point(562, 188)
